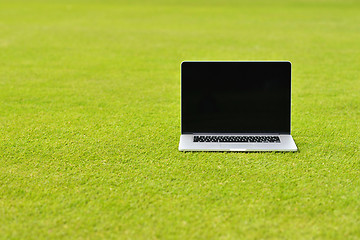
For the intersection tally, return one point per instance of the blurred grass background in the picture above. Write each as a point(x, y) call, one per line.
point(90, 121)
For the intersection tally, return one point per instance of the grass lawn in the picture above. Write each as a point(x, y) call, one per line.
point(90, 121)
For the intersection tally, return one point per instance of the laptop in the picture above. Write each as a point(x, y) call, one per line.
point(236, 106)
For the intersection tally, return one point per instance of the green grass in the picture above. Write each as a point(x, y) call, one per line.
point(90, 121)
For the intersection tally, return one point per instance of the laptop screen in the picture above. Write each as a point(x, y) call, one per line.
point(235, 97)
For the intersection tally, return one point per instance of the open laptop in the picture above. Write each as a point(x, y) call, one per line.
point(236, 106)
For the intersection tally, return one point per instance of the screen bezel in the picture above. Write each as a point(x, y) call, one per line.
point(181, 96)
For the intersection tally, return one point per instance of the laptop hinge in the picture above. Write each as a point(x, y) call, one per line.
point(247, 134)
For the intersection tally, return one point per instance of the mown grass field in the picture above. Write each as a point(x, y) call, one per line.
point(90, 121)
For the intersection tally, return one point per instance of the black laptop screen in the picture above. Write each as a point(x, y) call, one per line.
point(235, 97)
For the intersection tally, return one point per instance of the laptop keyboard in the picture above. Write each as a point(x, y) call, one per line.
point(241, 139)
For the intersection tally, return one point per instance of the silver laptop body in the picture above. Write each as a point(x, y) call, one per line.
point(236, 106)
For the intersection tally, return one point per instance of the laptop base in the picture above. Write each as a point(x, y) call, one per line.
point(286, 144)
